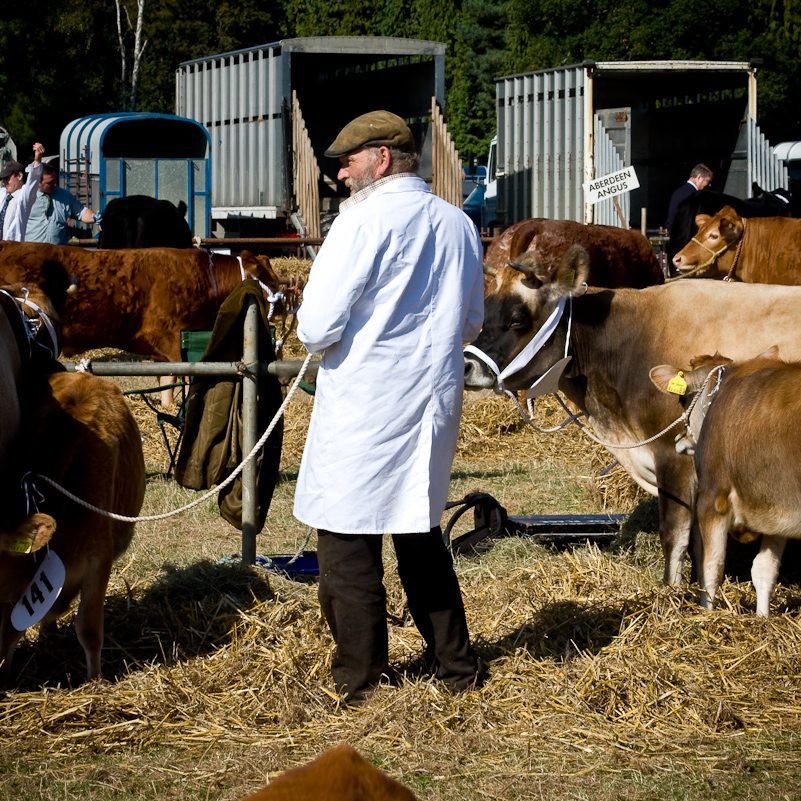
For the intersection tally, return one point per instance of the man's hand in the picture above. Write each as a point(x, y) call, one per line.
point(38, 152)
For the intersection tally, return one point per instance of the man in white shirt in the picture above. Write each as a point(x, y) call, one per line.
point(395, 291)
point(18, 195)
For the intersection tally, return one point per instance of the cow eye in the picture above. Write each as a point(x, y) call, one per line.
point(519, 320)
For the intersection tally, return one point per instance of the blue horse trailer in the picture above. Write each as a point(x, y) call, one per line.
point(106, 156)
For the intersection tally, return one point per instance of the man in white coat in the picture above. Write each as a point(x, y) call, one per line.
point(395, 291)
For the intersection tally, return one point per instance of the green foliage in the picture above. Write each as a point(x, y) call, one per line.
point(60, 59)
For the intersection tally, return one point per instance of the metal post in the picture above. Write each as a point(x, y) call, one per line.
point(250, 432)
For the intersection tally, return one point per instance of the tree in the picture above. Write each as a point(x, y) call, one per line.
point(129, 90)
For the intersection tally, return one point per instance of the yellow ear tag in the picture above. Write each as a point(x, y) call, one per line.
point(20, 545)
point(677, 385)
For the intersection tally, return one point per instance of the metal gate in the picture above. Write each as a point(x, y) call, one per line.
point(607, 158)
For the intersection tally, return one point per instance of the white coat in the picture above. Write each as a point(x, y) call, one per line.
point(395, 291)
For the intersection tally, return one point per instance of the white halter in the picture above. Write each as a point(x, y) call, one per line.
point(549, 381)
point(272, 299)
point(32, 325)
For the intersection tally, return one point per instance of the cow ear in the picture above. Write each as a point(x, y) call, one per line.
point(702, 219)
point(33, 533)
point(662, 375)
point(573, 269)
point(731, 224)
point(771, 354)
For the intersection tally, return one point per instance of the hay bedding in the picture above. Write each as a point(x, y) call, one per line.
point(596, 673)
point(217, 675)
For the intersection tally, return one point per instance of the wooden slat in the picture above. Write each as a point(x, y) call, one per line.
point(447, 167)
point(306, 172)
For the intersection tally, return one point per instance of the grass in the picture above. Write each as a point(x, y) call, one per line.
point(603, 684)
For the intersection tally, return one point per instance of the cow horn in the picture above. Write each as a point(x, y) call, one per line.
point(72, 289)
point(489, 270)
point(528, 270)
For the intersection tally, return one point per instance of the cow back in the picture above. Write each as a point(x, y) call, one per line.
point(750, 440)
point(139, 221)
point(618, 257)
point(134, 300)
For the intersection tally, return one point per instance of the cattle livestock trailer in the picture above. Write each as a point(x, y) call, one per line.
point(106, 156)
point(271, 111)
point(561, 127)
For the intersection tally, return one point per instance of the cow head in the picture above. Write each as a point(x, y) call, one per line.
point(514, 313)
point(259, 268)
point(716, 235)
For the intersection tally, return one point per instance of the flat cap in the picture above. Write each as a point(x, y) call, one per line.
point(375, 128)
point(11, 168)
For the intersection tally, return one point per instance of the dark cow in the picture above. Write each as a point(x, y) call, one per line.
point(763, 250)
point(139, 221)
point(746, 459)
point(618, 256)
point(29, 325)
point(616, 337)
point(140, 300)
point(81, 434)
point(761, 204)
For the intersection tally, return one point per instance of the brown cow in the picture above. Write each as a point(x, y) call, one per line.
point(618, 257)
point(755, 250)
point(746, 460)
point(80, 434)
point(137, 300)
point(616, 336)
point(339, 774)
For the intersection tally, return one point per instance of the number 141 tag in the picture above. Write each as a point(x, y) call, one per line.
point(41, 594)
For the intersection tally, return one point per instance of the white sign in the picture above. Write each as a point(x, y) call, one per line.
point(610, 185)
point(41, 594)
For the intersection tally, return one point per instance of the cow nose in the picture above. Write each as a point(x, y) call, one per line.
point(475, 375)
point(677, 260)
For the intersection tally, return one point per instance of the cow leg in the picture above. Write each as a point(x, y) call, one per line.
point(166, 394)
point(89, 619)
point(9, 637)
point(675, 521)
point(676, 488)
point(714, 530)
point(696, 553)
point(765, 571)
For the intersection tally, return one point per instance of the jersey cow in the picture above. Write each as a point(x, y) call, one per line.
point(138, 300)
point(761, 250)
point(616, 336)
point(139, 221)
point(705, 201)
point(617, 257)
point(81, 434)
point(339, 774)
point(746, 460)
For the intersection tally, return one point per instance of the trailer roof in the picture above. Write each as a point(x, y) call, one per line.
point(639, 67)
point(377, 45)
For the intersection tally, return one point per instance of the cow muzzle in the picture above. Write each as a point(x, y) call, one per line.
point(477, 375)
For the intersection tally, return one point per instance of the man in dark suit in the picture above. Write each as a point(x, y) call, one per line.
point(700, 178)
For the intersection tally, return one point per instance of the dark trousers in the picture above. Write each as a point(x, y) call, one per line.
point(354, 603)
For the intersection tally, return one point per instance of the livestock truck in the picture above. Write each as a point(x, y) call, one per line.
point(272, 110)
point(560, 128)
